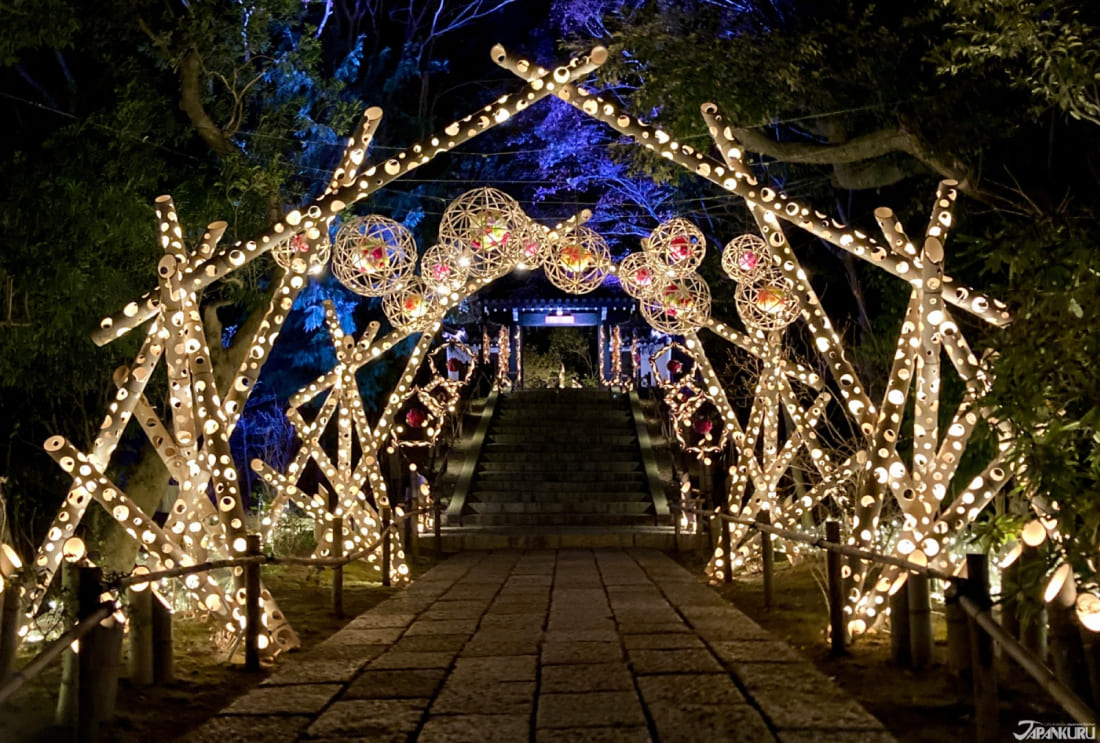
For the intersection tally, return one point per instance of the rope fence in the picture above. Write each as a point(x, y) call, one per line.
point(970, 594)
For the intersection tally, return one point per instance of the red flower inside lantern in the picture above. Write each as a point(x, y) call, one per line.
point(373, 257)
point(681, 248)
point(416, 417)
point(702, 424)
point(576, 258)
point(454, 366)
point(675, 367)
point(677, 298)
point(748, 261)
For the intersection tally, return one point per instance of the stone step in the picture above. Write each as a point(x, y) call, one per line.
point(551, 519)
point(524, 442)
point(520, 488)
point(558, 459)
point(589, 480)
point(536, 467)
point(586, 506)
point(577, 496)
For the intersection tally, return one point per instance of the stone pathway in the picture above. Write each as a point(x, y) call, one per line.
point(549, 646)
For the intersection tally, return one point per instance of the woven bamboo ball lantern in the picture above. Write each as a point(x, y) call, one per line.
point(677, 246)
point(577, 260)
point(411, 305)
point(746, 257)
point(305, 252)
point(486, 222)
point(372, 255)
point(678, 305)
point(767, 303)
point(638, 275)
point(445, 267)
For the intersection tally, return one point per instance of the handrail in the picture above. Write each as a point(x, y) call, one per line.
point(1030, 662)
point(137, 578)
point(1027, 660)
point(47, 656)
point(821, 542)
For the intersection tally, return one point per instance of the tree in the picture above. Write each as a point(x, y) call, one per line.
point(882, 100)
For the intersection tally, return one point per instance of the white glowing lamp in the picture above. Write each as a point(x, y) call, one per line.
point(1088, 611)
point(1033, 533)
point(1058, 579)
point(10, 562)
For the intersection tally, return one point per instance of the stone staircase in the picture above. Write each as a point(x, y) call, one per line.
point(560, 458)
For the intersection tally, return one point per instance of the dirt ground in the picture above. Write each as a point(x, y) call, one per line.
point(205, 681)
point(927, 706)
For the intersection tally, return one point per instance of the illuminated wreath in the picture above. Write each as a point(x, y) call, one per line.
point(372, 255)
point(767, 303)
point(485, 222)
point(444, 393)
point(303, 252)
point(445, 267)
point(676, 246)
point(577, 260)
point(698, 426)
point(638, 275)
point(746, 257)
point(442, 365)
point(411, 305)
point(678, 305)
point(678, 374)
point(419, 419)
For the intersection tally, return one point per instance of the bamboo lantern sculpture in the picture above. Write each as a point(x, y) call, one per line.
point(484, 235)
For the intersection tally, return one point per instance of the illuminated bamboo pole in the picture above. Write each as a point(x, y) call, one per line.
point(210, 239)
point(282, 300)
point(131, 384)
point(754, 344)
point(805, 428)
point(927, 400)
point(355, 151)
point(90, 483)
point(852, 241)
point(367, 182)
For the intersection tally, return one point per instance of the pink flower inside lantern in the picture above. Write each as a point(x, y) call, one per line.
point(748, 261)
point(682, 247)
point(494, 231)
point(374, 257)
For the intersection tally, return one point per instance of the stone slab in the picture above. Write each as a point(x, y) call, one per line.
point(590, 709)
point(296, 699)
point(472, 728)
point(582, 677)
point(382, 720)
point(396, 684)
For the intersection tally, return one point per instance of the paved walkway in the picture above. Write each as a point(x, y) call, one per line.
point(545, 645)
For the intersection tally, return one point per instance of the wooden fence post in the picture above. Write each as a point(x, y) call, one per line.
point(97, 661)
point(338, 570)
point(252, 606)
point(899, 626)
point(164, 669)
point(767, 558)
point(141, 664)
point(837, 630)
point(387, 518)
point(727, 549)
point(920, 621)
point(986, 719)
point(437, 529)
point(958, 636)
point(9, 628)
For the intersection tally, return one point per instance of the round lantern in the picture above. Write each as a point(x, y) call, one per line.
point(637, 275)
point(305, 252)
point(372, 255)
point(531, 240)
point(767, 303)
point(676, 246)
point(486, 222)
point(577, 260)
point(410, 306)
point(445, 267)
point(746, 257)
point(678, 305)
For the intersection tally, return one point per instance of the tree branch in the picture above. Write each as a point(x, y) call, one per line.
point(191, 104)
